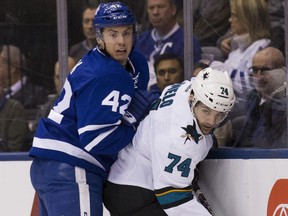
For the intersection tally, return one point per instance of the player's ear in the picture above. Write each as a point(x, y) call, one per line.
point(100, 43)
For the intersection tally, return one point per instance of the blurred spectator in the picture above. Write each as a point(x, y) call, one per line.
point(250, 25)
point(18, 85)
point(276, 12)
point(169, 70)
point(71, 63)
point(265, 123)
point(166, 36)
point(198, 67)
point(78, 50)
point(45, 108)
point(277, 19)
point(211, 21)
point(14, 130)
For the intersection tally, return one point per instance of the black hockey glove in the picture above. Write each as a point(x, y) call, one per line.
point(139, 106)
point(198, 192)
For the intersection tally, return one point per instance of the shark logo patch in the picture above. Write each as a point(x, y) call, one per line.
point(191, 133)
point(205, 75)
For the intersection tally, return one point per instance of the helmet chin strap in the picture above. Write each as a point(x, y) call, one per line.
point(103, 49)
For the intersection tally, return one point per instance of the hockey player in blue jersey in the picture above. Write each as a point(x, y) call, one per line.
point(154, 172)
point(103, 97)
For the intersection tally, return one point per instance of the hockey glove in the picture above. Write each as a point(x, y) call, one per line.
point(198, 192)
point(139, 106)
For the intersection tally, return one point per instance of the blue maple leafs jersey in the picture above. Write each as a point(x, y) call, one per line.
point(84, 127)
point(173, 42)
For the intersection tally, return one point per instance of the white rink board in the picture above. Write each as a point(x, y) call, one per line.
point(241, 187)
point(233, 186)
point(16, 191)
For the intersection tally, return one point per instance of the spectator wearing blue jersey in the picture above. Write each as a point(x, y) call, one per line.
point(165, 36)
point(102, 100)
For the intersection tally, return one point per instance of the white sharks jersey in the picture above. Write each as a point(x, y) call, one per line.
point(165, 151)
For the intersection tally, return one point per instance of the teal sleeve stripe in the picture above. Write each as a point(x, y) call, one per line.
point(173, 196)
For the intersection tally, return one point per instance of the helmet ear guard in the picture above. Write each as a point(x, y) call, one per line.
point(214, 89)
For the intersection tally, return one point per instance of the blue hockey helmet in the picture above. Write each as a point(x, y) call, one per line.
point(113, 14)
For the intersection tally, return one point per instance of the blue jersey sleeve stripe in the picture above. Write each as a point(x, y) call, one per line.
point(173, 196)
point(96, 127)
point(65, 148)
point(99, 138)
point(54, 116)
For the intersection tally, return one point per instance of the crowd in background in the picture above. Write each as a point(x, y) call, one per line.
point(245, 38)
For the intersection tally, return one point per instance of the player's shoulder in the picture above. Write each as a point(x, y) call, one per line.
point(89, 67)
point(185, 86)
point(98, 64)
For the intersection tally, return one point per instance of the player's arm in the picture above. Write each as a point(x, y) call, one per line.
point(172, 178)
point(102, 128)
point(101, 106)
point(139, 106)
point(173, 172)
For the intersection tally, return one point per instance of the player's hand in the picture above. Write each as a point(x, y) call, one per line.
point(140, 106)
point(202, 199)
point(198, 192)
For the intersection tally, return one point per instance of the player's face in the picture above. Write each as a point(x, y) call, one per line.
point(87, 23)
point(118, 42)
point(207, 118)
point(168, 72)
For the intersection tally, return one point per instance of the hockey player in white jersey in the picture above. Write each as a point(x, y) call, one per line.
point(93, 119)
point(153, 174)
